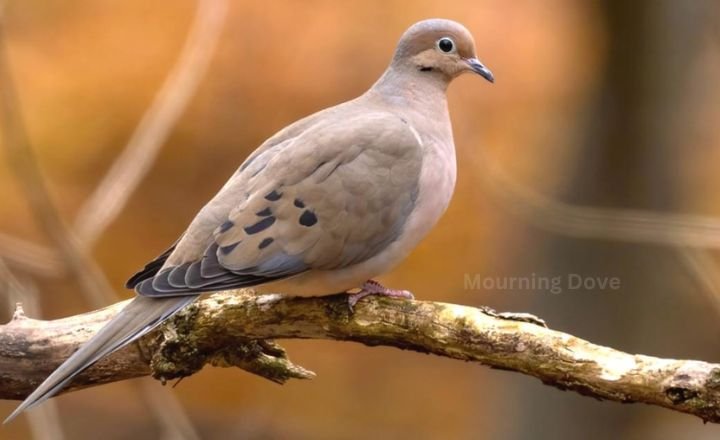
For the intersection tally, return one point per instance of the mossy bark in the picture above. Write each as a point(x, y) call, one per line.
point(238, 329)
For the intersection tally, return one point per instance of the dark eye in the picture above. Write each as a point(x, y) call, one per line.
point(446, 45)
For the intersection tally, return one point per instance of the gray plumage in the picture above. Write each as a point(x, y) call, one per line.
point(331, 201)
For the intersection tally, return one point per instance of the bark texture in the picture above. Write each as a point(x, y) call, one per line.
point(238, 328)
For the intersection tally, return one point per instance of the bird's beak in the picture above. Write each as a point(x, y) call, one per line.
point(479, 68)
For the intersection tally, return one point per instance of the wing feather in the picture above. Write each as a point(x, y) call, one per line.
point(332, 196)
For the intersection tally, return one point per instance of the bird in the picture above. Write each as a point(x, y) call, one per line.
point(328, 203)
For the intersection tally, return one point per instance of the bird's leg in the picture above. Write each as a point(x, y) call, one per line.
point(372, 287)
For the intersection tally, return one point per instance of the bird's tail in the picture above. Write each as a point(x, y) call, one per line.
point(133, 321)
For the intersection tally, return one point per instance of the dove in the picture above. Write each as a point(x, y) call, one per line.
point(327, 204)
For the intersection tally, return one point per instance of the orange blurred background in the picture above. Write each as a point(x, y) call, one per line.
point(610, 104)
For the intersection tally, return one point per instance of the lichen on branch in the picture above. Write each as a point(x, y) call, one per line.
point(238, 329)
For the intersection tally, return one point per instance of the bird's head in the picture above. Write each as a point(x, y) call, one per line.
point(440, 47)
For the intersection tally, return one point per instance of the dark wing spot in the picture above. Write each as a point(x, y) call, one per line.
point(259, 170)
point(229, 248)
point(247, 163)
point(326, 173)
point(319, 166)
point(264, 213)
point(225, 226)
point(273, 196)
point(308, 218)
point(299, 203)
point(260, 226)
point(265, 243)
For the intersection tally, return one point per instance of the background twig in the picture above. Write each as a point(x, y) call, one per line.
point(135, 161)
point(626, 225)
point(45, 423)
point(125, 175)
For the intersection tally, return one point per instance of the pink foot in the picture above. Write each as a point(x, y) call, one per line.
point(372, 287)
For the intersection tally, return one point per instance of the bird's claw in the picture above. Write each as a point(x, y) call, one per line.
point(372, 287)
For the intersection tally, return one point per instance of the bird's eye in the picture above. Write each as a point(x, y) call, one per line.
point(446, 45)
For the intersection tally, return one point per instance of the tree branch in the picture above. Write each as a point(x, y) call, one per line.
point(235, 329)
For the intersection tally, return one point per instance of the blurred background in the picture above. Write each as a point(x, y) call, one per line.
point(595, 153)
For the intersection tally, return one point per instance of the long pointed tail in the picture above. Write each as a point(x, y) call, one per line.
point(133, 321)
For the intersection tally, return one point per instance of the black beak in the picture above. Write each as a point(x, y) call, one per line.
point(478, 67)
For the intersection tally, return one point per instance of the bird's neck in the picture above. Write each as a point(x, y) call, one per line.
point(405, 87)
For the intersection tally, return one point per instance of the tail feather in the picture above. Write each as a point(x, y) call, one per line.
point(137, 318)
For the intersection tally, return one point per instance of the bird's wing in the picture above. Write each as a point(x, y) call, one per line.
point(334, 195)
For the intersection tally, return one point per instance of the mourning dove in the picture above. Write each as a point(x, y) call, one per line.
point(329, 202)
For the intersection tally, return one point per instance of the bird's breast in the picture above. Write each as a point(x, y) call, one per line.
point(436, 184)
point(435, 189)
